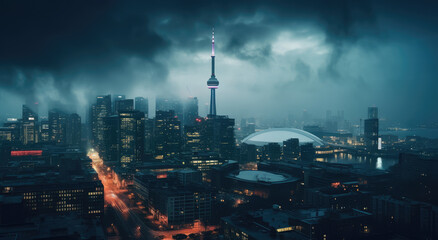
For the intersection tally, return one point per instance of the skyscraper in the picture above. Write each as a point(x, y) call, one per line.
point(212, 83)
point(74, 127)
point(218, 136)
point(142, 105)
point(291, 149)
point(98, 112)
point(167, 135)
point(57, 126)
point(371, 131)
point(170, 103)
point(123, 105)
point(131, 132)
point(29, 126)
point(117, 97)
point(190, 111)
point(373, 113)
point(111, 147)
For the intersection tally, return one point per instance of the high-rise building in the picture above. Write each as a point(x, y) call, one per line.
point(193, 137)
point(98, 112)
point(117, 97)
point(272, 152)
point(74, 132)
point(123, 105)
point(218, 136)
point(111, 150)
point(170, 104)
point(167, 135)
point(371, 131)
point(13, 127)
point(58, 126)
point(291, 149)
point(190, 111)
point(307, 152)
point(142, 105)
point(373, 112)
point(29, 128)
point(131, 130)
point(44, 131)
point(212, 83)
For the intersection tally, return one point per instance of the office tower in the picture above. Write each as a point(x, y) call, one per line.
point(247, 126)
point(170, 104)
point(272, 152)
point(149, 135)
point(117, 97)
point(373, 113)
point(190, 111)
point(142, 105)
point(212, 83)
point(29, 126)
point(218, 136)
point(98, 111)
point(291, 149)
point(204, 161)
point(307, 152)
point(14, 127)
point(123, 105)
point(167, 135)
point(192, 136)
point(248, 153)
point(131, 130)
point(371, 129)
point(44, 131)
point(58, 126)
point(74, 132)
point(111, 150)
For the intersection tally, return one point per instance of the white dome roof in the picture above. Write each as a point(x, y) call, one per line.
point(278, 135)
point(260, 176)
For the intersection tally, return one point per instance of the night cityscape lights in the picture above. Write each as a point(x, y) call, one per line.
point(327, 125)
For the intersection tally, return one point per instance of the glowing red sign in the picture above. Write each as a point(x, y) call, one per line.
point(159, 176)
point(27, 153)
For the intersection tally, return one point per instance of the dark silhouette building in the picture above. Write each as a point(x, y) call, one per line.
point(123, 105)
point(190, 111)
point(371, 130)
point(291, 149)
point(218, 136)
point(58, 126)
point(142, 105)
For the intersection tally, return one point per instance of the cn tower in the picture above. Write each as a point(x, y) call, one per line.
point(212, 83)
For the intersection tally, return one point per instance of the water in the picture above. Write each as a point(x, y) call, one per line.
point(422, 132)
point(382, 163)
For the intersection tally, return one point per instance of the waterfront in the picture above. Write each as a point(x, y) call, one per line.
point(382, 163)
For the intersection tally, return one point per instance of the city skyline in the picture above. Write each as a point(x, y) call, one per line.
point(113, 127)
point(314, 57)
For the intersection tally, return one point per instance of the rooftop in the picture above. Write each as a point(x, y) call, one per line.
point(279, 135)
point(260, 176)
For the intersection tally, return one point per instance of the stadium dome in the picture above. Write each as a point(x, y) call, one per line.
point(260, 176)
point(278, 135)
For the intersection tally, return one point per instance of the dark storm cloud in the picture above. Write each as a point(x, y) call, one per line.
point(65, 39)
point(99, 45)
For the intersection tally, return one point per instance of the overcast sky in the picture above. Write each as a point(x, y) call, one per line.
point(273, 58)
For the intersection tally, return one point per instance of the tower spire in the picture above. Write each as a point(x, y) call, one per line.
point(212, 42)
point(212, 83)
